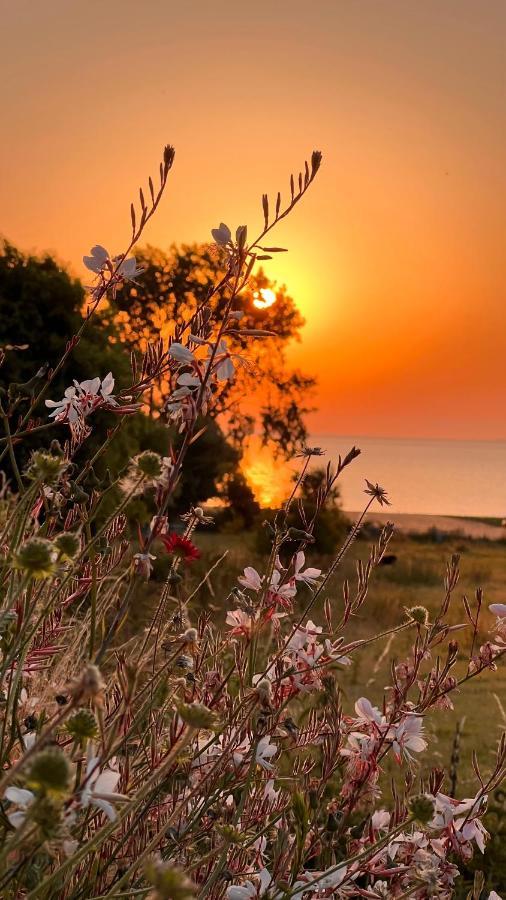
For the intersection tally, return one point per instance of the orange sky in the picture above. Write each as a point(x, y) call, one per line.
point(396, 257)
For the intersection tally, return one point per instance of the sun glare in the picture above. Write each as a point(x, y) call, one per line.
point(269, 483)
point(263, 298)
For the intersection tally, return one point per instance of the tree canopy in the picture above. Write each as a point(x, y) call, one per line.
point(173, 285)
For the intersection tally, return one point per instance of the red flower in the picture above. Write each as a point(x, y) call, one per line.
point(180, 546)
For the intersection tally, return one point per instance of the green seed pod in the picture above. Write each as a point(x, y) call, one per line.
point(46, 467)
point(67, 544)
point(50, 772)
point(36, 558)
point(169, 882)
point(418, 614)
point(197, 715)
point(149, 463)
point(82, 726)
point(422, 808)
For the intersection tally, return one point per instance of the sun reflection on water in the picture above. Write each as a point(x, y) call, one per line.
point(269, 478)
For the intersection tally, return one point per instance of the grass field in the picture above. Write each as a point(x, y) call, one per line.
point(415, 578)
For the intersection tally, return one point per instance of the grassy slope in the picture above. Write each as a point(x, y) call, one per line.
point(416, 578)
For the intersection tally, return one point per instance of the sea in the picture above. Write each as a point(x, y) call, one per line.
point(424, 476)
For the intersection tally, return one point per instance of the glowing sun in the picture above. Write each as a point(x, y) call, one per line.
point(263, 298)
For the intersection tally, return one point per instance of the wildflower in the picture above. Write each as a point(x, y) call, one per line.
point(250, 579)
point(143, 564)
point(366, 712)
point(310, 451)
point(82, 399)
point(408, 736)
point(180, 546)
point(100, 787)
point(374, 490)
point(222, 235)
point(225, 368)
point(246, 891)
point(23, 799)
point(97, 260)
point(241, 622)
point(309, 576)
point(128, 269)
point(498, 609)
point(264, 751)
point(180, 353)
point(49, 772)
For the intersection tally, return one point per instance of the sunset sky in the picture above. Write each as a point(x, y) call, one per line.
point(396, 256)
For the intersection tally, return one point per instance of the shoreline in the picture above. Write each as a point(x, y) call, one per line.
point(420, 523)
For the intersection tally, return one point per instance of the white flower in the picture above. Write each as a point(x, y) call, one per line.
point(264, 751)
point(270, 793)
point(309, 576)
point(250, 579)
point(21, 798)
point(244, 891)
point(222, 235)
point(180, 353)
point(129, 270)
point(97, 260)
point(82, 398)
point(225, 367)
point(240, 621)
point(498, 609)
point(99, 788)
point(100, 257)
point(408, 736)
point(66, 408)
point(189, 380)
point(494, 896)
point(366, 712)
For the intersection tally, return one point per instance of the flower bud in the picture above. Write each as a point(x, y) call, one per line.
point(90, 686)
point(263, 689)
point(299, 808)
point(197, 715)
point(190, 636)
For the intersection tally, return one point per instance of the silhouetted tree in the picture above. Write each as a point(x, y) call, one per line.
point(41, 308)
point(173, 284)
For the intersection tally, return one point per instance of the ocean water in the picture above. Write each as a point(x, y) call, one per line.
point(436, 477)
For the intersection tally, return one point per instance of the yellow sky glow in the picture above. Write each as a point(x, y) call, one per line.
point(396, 256)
